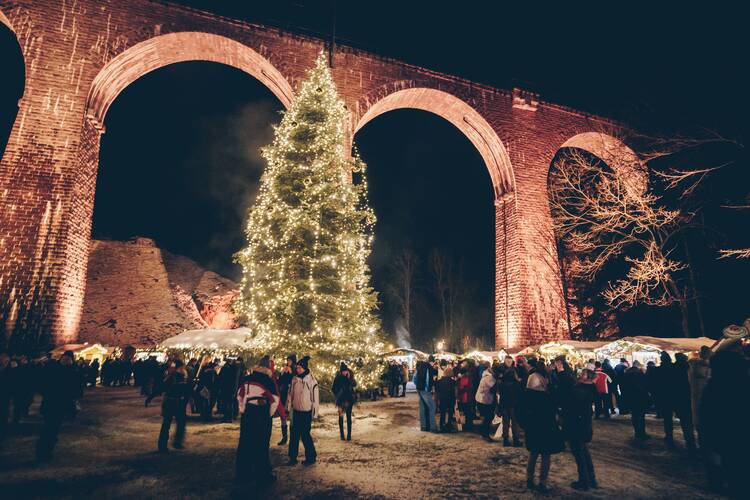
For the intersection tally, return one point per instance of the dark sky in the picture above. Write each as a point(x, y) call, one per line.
point(180, 163)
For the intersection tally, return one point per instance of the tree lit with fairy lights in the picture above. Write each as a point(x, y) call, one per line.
point(305, 285)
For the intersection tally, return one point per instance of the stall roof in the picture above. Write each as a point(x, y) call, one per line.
point(209, 338)
point(672, 344)
point(78, 347)
point(402, 351)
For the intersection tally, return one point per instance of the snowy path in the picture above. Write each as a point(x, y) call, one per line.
point(108, 452)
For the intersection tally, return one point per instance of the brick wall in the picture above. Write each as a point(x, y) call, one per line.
point(80, 54)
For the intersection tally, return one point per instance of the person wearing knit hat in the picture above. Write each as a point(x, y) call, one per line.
point(303, 400)
point(343, 388)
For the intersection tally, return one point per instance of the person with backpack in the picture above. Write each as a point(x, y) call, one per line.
point(304, 400)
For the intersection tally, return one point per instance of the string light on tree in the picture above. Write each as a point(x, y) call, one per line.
point(305, 285)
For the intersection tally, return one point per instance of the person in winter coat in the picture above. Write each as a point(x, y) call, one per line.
point(604, 401)
point(285, 381)
point(227, 382)
point(176, 394)
point(698, 375)
point(509, 391)
point(674, 397)
point(424, 379)
point(343, 390)
point(258, 400)
point(620, 369)
point(304, 400)
point(536, 414)
point(723, 434)
point(611, 387)
point(207, 391)
point(576, 425)
point(446, 396)
point(61, 387)
point(485, 398)
point(634, 387)
point(465, 395)
point(404, 378)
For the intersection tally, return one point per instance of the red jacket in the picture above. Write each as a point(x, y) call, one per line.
point(602, 381)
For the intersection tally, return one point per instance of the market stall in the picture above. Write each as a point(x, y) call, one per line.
point(209, 342)
point(88, 352)
point(577, 352)
point(645, 349)
point(406, 355)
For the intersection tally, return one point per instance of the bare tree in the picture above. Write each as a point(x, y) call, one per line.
point(404, 285)
point(440, 269)
point(451, 291)
point(603, 211)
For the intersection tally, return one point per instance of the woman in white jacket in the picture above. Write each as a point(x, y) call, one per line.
point(485, 398)
point(303, 400)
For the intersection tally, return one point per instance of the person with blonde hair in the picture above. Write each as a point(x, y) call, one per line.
point(537, 415)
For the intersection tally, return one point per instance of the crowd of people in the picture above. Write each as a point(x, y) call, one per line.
point(546, 405)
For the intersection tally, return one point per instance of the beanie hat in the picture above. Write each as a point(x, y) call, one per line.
point(304, 362)
point(293, 358)
point(343, 367)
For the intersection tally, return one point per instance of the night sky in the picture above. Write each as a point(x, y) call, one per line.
point(180, 163)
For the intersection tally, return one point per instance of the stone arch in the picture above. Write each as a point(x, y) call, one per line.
point(461, 115)
point(612, 151)
point(171, 48)
point(113, 78)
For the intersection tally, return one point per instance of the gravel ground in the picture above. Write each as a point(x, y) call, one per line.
point(109, 452)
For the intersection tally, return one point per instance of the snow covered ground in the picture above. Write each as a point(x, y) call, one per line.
point(109, 452)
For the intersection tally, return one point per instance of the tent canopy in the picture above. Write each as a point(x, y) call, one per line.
point(405, 351)
point(662, 344)
point(239, 338)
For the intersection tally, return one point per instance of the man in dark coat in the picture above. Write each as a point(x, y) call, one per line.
point(61, 386)
point(446, 399)
point(228, 381)
point(176, 394)
point(258, 401)
point(509, 391)
point(424, 379)
point(673, 396)
point(576, 425)
point(634, 387)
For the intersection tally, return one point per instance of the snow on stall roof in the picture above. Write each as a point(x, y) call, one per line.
point(673, 344)
point(209, 338)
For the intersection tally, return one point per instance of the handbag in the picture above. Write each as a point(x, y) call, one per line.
point(204, 393)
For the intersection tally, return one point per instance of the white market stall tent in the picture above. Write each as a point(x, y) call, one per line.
point(644, 348)
point(209, 340)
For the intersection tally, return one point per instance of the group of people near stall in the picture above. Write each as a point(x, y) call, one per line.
point(548, 405)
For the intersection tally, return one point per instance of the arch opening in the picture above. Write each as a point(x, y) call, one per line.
point(12, 83)
point(123, 70)
point(481, 150)
point(582, 166)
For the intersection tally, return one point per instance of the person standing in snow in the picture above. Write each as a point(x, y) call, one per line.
point(285, 381)
point(446, 400)
point(604, 401)
point(537, 416)
point(634, 387)
point(343, 389)
point(304, 400)
point(258, 401)
point(485, 398)
point(576, 425)
point(176, 394)
point(424, 379)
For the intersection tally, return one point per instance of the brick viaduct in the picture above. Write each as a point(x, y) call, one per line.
point(80, 54)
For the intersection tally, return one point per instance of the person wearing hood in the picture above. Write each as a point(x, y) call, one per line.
point(576, 425)
point(485, 398)
point(343, 389)
point(304, 400)
point(537, 415)
point(446, 399)
point(285, 381)
point(258, 400)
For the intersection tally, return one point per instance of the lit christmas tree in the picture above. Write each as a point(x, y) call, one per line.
point(305, 286)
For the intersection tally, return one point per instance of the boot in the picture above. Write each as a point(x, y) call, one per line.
point(341, 427)
point(349, 432)
point(284, 436)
